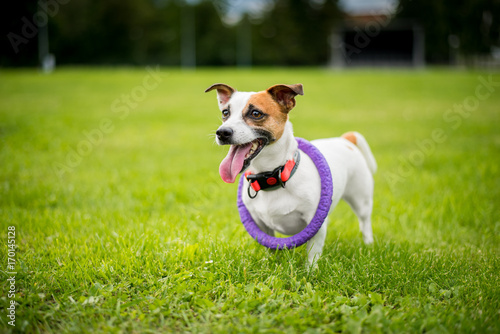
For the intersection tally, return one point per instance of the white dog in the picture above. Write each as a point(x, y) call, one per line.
point(256, 126)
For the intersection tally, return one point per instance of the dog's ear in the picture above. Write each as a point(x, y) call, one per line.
point(285, 94)
point(224, 92)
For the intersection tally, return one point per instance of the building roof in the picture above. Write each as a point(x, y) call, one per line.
point(368, 7)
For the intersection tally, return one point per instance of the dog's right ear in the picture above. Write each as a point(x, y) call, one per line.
point(224, 92)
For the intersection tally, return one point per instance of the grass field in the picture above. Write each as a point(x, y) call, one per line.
point(122, 224)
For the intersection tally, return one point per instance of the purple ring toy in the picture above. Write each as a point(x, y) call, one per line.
point(319, 217)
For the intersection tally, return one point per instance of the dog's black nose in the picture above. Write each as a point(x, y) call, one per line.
point(224, 133)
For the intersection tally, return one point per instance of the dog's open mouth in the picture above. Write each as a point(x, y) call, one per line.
point(238, 159)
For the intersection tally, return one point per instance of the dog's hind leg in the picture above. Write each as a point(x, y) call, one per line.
point(359, 195)
point(359, 192)
point(362, 207)
point(365, 221)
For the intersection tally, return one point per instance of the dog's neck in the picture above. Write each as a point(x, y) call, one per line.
point(277, 153)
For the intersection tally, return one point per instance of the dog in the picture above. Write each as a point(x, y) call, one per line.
point(257, 126)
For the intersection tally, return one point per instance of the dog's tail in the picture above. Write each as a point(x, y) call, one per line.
point(357, 139)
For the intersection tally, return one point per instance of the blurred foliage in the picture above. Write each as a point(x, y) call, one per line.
point(476, 24)
point(286, 32)
point(295, 32)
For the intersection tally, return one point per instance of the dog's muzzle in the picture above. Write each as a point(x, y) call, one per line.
point(224, 135)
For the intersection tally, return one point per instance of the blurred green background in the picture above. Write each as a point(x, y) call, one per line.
point(258, 32)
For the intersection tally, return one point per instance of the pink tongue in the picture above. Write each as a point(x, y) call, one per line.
point(233, 163)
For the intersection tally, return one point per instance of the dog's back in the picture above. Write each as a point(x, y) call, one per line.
point(357, 139)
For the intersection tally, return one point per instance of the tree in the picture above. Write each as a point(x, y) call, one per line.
point(18, 39)
point(295, 32)
point(474, 24)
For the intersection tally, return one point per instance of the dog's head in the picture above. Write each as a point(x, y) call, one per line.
point(250, 122)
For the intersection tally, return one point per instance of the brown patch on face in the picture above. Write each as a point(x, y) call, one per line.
point(274, 118)
point(350, 137)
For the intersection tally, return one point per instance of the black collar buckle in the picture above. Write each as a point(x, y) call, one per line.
point(272, 180)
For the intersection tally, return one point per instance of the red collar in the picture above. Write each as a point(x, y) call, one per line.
point(274, 179)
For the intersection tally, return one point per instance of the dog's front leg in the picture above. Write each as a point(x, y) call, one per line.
point(315, 246)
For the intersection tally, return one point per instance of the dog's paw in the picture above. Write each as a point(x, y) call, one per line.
point(312, 263)
point(368, 238)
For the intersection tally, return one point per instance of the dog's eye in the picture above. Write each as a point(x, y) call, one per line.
point(225, 113)
point(256, 114)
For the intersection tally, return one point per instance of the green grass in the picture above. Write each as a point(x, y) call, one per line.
point(139, 234)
